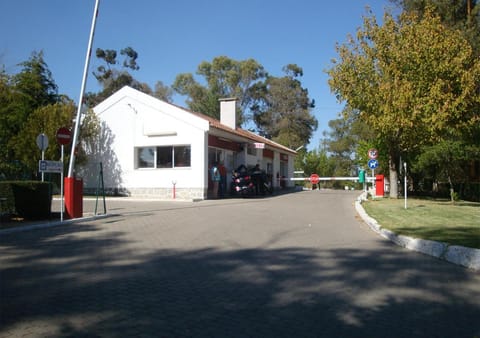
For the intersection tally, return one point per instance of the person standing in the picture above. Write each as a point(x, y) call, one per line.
point(215, 176)
point(223, 179)
point(257, 179)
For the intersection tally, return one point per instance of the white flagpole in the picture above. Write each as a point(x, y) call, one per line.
point(82, 91)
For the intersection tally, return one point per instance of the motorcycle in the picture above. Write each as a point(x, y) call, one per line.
point(261, 182)
point(242, 183)
point(250, 182)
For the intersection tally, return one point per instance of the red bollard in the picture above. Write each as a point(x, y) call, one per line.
point(73, 197)
point(379, 185)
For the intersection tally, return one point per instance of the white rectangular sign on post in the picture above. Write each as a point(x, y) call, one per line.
point(50, 166)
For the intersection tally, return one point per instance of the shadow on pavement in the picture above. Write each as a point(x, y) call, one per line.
point(64, 284)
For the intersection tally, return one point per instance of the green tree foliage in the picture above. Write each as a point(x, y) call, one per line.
point(361, 154)
point(24, 92)
point(10, 103)
point(111, 77)
point(30, 105)
point(105, 73)
point(345, 143)
point(20, 95)
point(163, 92)
point(46, 119)
point(282, 110)
point(89, 130)
point(463, 15)
point(318, 162)
point(348, 141)
point(131, 58)
point(412, 81)
point(223, 77)
point(445, 161)
point(36, 83)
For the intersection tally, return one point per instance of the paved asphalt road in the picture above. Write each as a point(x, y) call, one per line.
point(295, 265)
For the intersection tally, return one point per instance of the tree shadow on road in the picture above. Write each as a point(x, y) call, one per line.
point(59, 283)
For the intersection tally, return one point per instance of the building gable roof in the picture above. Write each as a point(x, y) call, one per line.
point(212, 122)
point(132, 97)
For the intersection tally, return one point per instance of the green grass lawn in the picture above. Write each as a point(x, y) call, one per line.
point(438, 220)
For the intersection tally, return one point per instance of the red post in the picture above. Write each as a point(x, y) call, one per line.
point(73, 197)
point(379, 185)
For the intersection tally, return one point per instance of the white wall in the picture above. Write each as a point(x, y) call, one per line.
point(129, 123)
point(291, 168)
point(131, 119)
point(154, 123)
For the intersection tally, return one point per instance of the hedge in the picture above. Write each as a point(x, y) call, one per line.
point(29, 199)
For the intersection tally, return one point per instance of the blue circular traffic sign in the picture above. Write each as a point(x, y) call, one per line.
point(372, 164)
point(42, 141)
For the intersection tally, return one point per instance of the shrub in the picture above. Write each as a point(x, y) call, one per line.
point(29, 199)
point(7, 204)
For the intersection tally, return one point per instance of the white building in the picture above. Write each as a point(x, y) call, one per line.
point(151, 148)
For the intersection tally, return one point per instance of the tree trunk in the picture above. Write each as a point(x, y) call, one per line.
point(393, 176)
point(452, 191)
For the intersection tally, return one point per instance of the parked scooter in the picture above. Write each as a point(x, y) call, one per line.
point(250, 182)
point(260, 181)
point(242, 183)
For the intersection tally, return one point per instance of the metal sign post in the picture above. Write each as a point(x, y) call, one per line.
point(64, 136)
point(373, 163)
point(43, 159)
point(42, 143)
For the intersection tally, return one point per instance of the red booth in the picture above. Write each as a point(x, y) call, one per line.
point(73, 197)
point(379, 185)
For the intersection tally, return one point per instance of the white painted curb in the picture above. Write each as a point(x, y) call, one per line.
point(459, 255)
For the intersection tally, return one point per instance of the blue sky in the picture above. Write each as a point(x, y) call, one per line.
point(173, 37)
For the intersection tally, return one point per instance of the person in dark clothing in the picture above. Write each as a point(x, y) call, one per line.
point(223, 179)
point(257, 178)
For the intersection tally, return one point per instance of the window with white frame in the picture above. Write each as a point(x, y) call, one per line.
point(145, 157)
point(163, 157)
point(181, 156)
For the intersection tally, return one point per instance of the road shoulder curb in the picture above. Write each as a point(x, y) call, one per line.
point(467, 257)
point(49, 224)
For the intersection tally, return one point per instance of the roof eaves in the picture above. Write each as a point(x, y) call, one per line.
point(214, 123)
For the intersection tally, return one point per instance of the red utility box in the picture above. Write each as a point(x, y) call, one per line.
point(379, 185)
point(73, 190)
